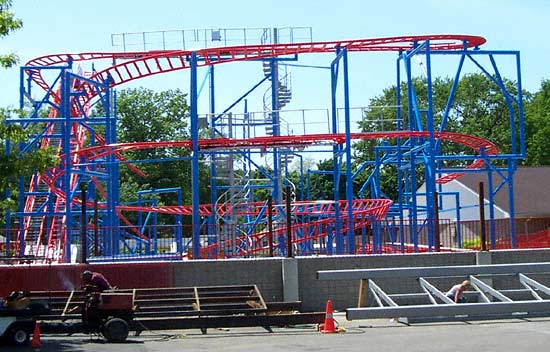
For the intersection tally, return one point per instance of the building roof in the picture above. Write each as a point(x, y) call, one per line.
point(531, 190)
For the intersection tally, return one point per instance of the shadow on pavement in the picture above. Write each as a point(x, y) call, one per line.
point(59, 344)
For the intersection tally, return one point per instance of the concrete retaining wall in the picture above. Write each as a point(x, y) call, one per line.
point(277, 278)
point(265, 273)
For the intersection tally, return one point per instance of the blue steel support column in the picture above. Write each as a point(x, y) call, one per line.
point(247, 166)
point(336, 155)
point(66, 147)
point(275, 121)
point(400, 197)
point(349, 179)
point(301, 176)
point(21, 232)
point(511, 162)
point(22, 88)
point(140, 216)
point(430, 168)
point(413, 218)
point(113, 198)
point(458, 227)
point(377, 193)
point(451, 94)
point(212, 231)
point(153, 236)
point(179, 235)
point(398, 91)
point(509, 103)
point(511, 170)
point(400, 185)
point(491, 202)
point(520, 108)
point(195, 158)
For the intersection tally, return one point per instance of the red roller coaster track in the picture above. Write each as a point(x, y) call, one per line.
point(473, 142)
point(97, 152)
point(142, 64)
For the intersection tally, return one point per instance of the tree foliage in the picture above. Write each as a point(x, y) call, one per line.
point(8, 24)
point(479, 108)
point(15, 163)
point(537, 127)
point(321, 181)
point(148, 116)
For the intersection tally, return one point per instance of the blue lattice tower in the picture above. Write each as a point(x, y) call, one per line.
point(49, 213)
point(415, 213)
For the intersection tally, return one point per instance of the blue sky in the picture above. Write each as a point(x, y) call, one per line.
point(58, 26)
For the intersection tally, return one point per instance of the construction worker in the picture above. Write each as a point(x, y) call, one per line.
point(455, 293)
point(95, 282)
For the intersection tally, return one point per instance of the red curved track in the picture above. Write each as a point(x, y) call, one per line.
point(142, 64)
point(97, 152)
point(137, 65)
point(322, 216)
point(473, 142)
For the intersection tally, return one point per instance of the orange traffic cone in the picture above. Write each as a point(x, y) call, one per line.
point(35, 343)
point(328, 326)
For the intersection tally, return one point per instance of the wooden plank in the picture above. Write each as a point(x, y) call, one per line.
point(197, 303)
point(259, 295)
point(67, 305)
point(362, 293)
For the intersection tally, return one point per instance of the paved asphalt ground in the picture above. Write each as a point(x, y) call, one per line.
point(362, 335)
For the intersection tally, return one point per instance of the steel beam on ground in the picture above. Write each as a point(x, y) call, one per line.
point(431, 289)
point(530, 284)
point(227, 321)
point(418, 295)
point(539, 308)
point(463, 270)
point(482, 287)
point(379, 293)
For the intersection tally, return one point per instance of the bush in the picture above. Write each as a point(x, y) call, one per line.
point(472, 244)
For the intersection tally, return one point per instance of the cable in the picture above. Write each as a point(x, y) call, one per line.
point(164, 336)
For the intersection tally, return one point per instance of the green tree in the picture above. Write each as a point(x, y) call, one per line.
point(321, 182)
point(481, 110)
point(148, 116)
point(537, 127)
point(14, 163)
point(478, 109)
point(8, 24)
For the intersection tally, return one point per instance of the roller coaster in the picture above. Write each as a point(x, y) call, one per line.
point(55, 207)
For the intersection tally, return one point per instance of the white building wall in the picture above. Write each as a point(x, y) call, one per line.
point(468, 202)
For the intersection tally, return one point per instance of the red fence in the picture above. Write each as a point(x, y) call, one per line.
point(532, 232)
point(224, 241)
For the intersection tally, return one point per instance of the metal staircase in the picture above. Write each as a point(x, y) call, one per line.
point(284, 96)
